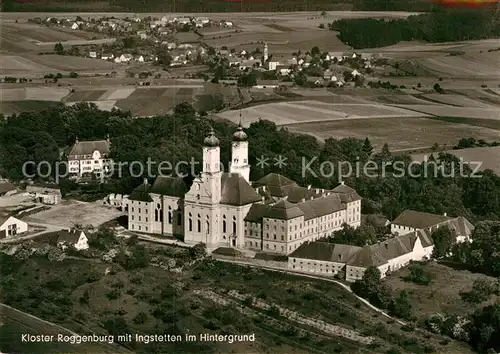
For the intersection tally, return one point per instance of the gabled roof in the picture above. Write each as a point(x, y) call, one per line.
point(88, 147)
point(418, 219)
point(366, 257)
point(395, 247)
point(346, 193)
point(325, 205)
point(69, 236)
point(171, 186)
point(376, 220)
point(276, 184)
point(324, 251)
point(237, 191)
point(141, 193)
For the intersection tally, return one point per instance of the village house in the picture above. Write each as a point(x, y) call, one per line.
point(75, 26)
point(107, 56)
point(222, 209)
point(11, 226)
point(72, 238)
point(46, 194)
point(125, 58)
point(87, 158)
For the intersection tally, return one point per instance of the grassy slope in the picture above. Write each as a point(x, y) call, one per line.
point(442, 295)
point(173, 297)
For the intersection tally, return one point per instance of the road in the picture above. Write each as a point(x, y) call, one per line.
point(48, 228)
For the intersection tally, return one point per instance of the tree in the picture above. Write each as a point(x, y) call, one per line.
point(247, 80)
point(401, 307)
point(198, 251)
point(443, 241)
point(367, 147)
point(59, 48)
point(438, 88)
point(372, 288)
point(481, 291)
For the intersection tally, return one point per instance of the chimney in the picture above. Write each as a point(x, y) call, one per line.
point(309, 187)
point(263, 199)
point(263, 188)
point(145, 181)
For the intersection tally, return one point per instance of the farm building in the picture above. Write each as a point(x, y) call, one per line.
point(415, 244)
point(222, 209)
point(46, 194)
point(72, 238)
point(10, 226)
point(7, 188)
point(410, 220)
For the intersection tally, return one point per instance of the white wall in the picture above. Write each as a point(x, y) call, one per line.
point(21, 226)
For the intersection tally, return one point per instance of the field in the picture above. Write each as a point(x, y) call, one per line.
point(400, 133)
point(485, 158)
point(206, 297)
point(70, 213)
point(442, 295)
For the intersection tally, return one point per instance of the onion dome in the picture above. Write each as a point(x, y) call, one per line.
point(239, 135)
point(211, 140)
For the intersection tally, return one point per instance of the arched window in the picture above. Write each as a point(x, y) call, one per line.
point(179, 218)
point(224, 226)
point(199, 225)
point(190, 222)
point(156, 214)
point(207, 225)
point(234, 227)
point(169, 217)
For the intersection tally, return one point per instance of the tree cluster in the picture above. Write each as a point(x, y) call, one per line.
point(373, 289)
point(438, 26)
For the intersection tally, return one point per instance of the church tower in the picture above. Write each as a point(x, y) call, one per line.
point(266, 53)
point(212, 173)
point(239, 154)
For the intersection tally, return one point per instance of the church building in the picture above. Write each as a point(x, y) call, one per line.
point(224, 209)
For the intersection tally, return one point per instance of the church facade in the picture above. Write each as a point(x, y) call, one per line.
point(224, 209)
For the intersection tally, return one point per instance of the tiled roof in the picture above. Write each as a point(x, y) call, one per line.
point(321, 206)
point(395, 247)
point(374, 219)
point(88, 147)
point(275, 184)
point(366, 257)
point(324, 251)
point(70, 236)
point(237, 191)
point(347, 194)
point(418, 219)
point(141, 193)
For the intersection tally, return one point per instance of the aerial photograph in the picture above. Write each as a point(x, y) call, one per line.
point(249, 176)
